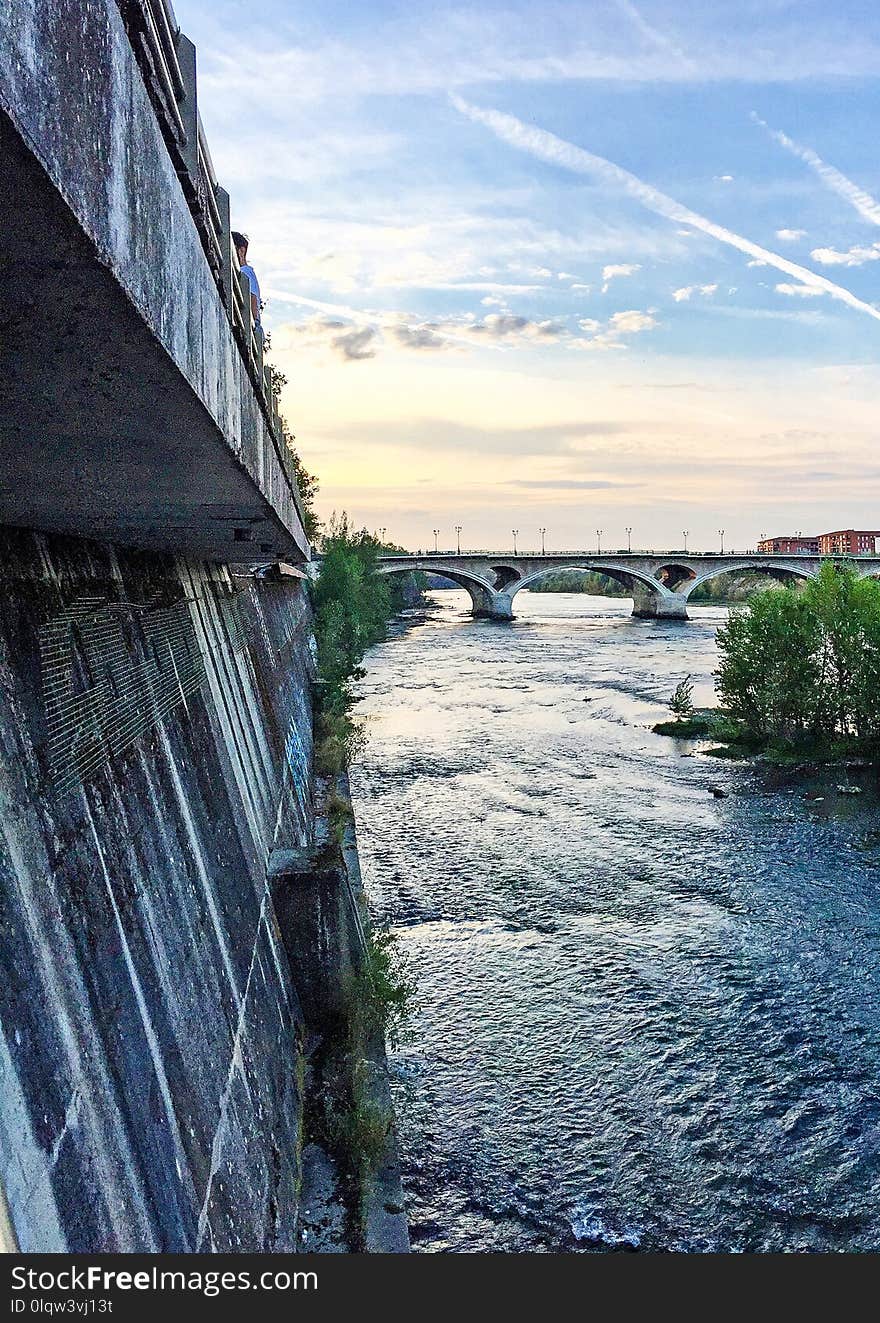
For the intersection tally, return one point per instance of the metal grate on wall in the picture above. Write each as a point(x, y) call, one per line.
point(111, 672)
point(230, 613)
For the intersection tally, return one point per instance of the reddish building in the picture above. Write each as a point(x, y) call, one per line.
point(848, 542)
point(790, 545)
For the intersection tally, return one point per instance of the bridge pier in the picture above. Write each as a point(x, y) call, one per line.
point(648, 605)
point(491, 606)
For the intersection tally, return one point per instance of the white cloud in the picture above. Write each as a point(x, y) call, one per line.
point(630, 322)
point(351, 343)
point(790, 236)
point(756, 262)
point(358, 343)
point(487, 44)
point(867, 207)
point(723, 179)
point(530, 270)
point(683, 295)
point(656, 38)
point(799, 291)
point(354, 335)
point(421, 336)
point(508, 326)
point(856, 256)
point(547, 147)
point(618, 269)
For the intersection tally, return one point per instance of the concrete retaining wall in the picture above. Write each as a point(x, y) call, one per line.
point(155, 741)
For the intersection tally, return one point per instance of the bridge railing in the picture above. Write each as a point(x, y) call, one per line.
point(523, 553)
point(167, 61)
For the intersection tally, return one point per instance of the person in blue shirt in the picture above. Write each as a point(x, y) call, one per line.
point(241, 247)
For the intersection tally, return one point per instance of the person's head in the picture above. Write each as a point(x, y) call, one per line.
point(241, 245)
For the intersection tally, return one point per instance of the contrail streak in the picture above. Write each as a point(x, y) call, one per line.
point(658, 39)
point(867, 207)
point(556, 151)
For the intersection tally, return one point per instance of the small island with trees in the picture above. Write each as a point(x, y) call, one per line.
point(798, 677)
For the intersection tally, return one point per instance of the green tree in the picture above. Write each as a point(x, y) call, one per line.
point(767, 674)
point(866, 696)
point(681, 704)
point(352, 603)
point(837, 606)
point(308, 486)
point(796, 666)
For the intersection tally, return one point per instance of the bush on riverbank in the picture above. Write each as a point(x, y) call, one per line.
point(711, 723)
point(350, 1114)
point(803, 669)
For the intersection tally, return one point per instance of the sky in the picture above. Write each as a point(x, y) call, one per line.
point(599, 265)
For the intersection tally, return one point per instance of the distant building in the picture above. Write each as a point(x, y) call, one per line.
point(848, 542)
point(845, 542)
point(792, 544)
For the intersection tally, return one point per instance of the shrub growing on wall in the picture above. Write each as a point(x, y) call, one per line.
point(353, 603)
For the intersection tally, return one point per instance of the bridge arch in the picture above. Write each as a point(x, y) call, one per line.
point(780, 572)
point(674, 576)
point(652, 600)
point(505, 576)
point(481, 592)
point(629, 578)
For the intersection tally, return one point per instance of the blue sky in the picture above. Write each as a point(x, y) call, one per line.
point(584, 264)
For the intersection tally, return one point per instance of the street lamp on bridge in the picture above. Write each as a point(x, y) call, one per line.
point(514, 531)
point(599, 541)
point(629, 539)
point(686, 535)
point(458, 539)
point(436, 535)
point(721, 535)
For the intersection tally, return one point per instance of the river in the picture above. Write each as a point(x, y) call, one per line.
point(648, 1018)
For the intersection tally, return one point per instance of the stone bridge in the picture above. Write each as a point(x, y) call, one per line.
point(660, 582)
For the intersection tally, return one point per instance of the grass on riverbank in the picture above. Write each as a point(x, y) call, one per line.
point(733, 741)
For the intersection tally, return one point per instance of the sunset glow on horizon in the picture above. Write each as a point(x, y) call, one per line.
point(614, 268)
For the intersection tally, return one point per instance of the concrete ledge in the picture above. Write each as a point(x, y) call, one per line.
point(126, 409)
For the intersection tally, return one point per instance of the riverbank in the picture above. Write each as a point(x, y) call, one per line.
point(351, 1197)
point(730, 739)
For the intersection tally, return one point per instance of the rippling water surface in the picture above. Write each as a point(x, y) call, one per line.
point(648, 1017)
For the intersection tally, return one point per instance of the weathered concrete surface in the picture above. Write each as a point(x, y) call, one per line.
point(149, 1053)
point(126, 409)
point(649, 605)
point(321, 909)
point(661, 583)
